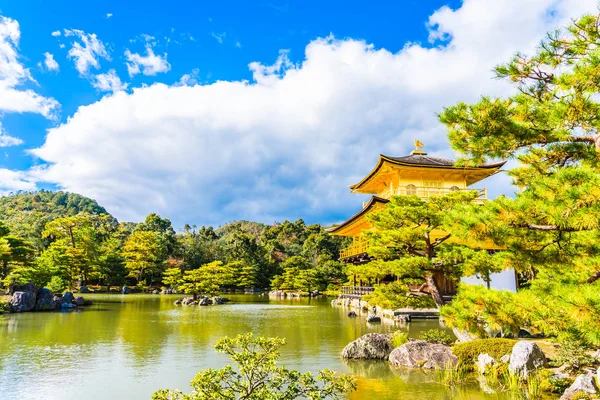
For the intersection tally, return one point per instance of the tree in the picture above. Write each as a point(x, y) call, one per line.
point(161, 226)
point(172, 277)
point(409, 241)
point(145, 253)
point(257, 376)
point(551, 229)
point(208, 279)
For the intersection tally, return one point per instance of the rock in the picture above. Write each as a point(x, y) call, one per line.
point(505, 358)
point(204, 301)
point(26, 287)
point(68, 297)
point(421, 354)
point(352, 314)
point(84, 289)
point(220, 300)
point(125, 289)
point(177, 302)
point(373, 318)
point(79, 301)
point(66, 306)
point(483, 362)
point(22, 302)
point(58, 302)
point(45, 300)
point(155, 291)
point(87, 303)
point(369, 346)
point(583, 384)
point(188, 301)
point(525, 358)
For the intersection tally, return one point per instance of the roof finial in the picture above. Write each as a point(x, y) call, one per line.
point(417, 150)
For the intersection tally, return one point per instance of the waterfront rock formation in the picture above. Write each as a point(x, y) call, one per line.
point(483, 362)
point(45, 300)
point(369, 346)
point(22, 301)
point(525, 358)
point(583, 384)
point(422, 354)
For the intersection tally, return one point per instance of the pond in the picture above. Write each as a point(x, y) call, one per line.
point(126, 347)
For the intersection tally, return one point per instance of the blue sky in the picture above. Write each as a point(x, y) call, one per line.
point(208, 112)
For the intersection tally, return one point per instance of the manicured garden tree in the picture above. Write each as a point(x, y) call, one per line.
point(551, 229)
point(256, 375)
point(145, 253)
point(207, 280)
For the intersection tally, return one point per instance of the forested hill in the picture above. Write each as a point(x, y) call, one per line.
point(26, 213)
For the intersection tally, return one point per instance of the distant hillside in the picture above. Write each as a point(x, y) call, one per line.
point(26, 213)
point(253, 228)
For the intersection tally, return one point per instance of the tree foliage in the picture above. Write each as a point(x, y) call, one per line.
point(257, 376)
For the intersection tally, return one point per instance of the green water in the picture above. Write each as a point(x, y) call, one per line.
point(126, 347)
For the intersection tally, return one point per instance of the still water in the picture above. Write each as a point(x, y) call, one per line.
point(126, 347)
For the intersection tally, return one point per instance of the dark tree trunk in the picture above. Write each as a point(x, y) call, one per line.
point(434, 290)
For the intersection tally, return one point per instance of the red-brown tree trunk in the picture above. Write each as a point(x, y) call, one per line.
point(434, 290)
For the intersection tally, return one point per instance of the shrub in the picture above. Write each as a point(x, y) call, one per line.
point(3, 306)
point(437, 336)
point(56, 285)
point(399, 338)
point(574, 356)
point(468, 352)
point(394, 295)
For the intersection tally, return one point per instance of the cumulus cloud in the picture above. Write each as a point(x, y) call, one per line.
point(13, 75)
point(56, 33)
point(6, 140)
point(150, 64)
point(287, 144)
point(109, 15)
point(108, 82)
point(50, 62)
point(219, 37)
point(86, 51)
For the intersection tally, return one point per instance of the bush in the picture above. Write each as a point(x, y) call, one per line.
point(394, 295)
point(468, 352)
point(56, 285)
point(399, 338)
point(574, 356)
point(3, 306)
point(437, 336)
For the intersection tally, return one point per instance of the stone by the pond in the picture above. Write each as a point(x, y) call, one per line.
point(204, 301)
point(177, 302)
point(505, 358)
point(220, 300)
point(483, 362)
point(373, 318)
point(525, 358)
point(188, 301)
point(421, 354)
point(352, 314)
point(45, 300)
point(369, 346)
point(125, 289)
point(84, 289)
point(79, 301)
point(68, 297)
point(583, 384)
point(22, 302)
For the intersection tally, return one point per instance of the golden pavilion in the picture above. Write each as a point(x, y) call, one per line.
point(416, 174)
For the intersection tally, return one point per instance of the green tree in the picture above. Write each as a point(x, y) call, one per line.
point(208, 279)
point(257, 376)
point(172, 277)
point(145, 253)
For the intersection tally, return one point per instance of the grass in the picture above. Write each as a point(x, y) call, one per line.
point(452, 375)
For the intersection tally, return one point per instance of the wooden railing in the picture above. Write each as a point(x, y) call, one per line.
point(357, 248)
point(356, 291)
point(426, 192)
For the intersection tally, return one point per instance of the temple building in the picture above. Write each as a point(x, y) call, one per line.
point(416, 174)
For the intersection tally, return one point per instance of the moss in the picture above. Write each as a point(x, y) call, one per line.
point(468, 352)
point(437, 336)
point(399, 338)
point(581, 396)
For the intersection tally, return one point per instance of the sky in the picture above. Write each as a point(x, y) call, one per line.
point(210, 112)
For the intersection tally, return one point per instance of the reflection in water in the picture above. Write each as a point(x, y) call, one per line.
point(129, 346)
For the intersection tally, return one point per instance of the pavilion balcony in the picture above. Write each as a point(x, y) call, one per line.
point(426, 192)
point(357, 248)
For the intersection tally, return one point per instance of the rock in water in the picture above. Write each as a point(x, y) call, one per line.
point(188, 301)
point(352, 314)
point(84, 289)
point(421, 354)
point(177, 302)
point(371, 346)
point(204, 301)
point(68, 297)
point(483, 362)
point(79, 301)
point(45, 300)
point(583, 384)
point(525, 358)
point(22, 301)
point(125, 289)
point(373, 318)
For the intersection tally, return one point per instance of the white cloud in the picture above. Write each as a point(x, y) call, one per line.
point(12, 181)
point(86, 51)
point(151, 64)
point(6, 140)
point(56, 33)
point(109, 82)
point(13, 75)
point(189, 79)
point(238, 44)
point(219, 36)
point(287, 144)
point(108, 15)
point(50, 62)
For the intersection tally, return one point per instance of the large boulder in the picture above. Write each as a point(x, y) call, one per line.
point(79, 301)
point(525, 358)
point(188, 301)
point(26, 287)
point(22, 301)
point(422, 354)
point(372, 318)
point(583, 384)
point(68, 297)
point(371, 345)
point(45, 300)
point(220, 300)
point(204, 301)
